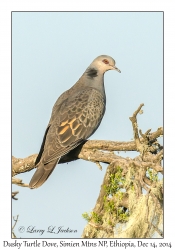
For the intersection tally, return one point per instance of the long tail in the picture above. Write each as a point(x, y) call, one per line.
point(42, 173)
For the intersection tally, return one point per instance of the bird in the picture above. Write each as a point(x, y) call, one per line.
point(75, 116)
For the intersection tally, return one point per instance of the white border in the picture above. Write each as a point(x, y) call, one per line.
point(5, 92)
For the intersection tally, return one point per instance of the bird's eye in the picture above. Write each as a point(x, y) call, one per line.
point(105, 61)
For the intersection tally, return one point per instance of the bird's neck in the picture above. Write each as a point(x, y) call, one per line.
point(95, 79)
point(92, 78)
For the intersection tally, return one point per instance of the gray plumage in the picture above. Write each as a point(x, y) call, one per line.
point(75, 116)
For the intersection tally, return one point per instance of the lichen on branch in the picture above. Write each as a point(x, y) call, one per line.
point(131, 196)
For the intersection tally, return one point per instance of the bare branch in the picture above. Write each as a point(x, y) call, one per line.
point(14, 194)
point(157, 230)
point(16, 220)
point(19, 182)
point(156, 134)
point(135, 128)
point(23, 165)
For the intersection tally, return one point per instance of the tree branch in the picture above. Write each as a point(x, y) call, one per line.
point(89, 151)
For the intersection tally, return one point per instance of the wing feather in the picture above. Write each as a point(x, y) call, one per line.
point(73, 120)
point(78, 118)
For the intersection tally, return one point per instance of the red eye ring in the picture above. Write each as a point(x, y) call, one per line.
point(105, 61)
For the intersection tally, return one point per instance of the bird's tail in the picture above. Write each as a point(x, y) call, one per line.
point(42, 173)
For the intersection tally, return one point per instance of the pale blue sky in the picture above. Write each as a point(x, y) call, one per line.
point(50, 51)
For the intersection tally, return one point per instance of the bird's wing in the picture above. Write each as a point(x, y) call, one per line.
point(78, 118)
point(74, 121)
point(42, 146)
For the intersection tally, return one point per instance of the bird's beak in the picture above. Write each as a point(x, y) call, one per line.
point(117, 69)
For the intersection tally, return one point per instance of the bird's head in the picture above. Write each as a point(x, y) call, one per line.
point(104, 63)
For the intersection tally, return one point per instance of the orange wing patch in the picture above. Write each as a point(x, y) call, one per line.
point(69, 128)
point(72, 121)
point(64, 123)
point(73, 124)
point(64, 129)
